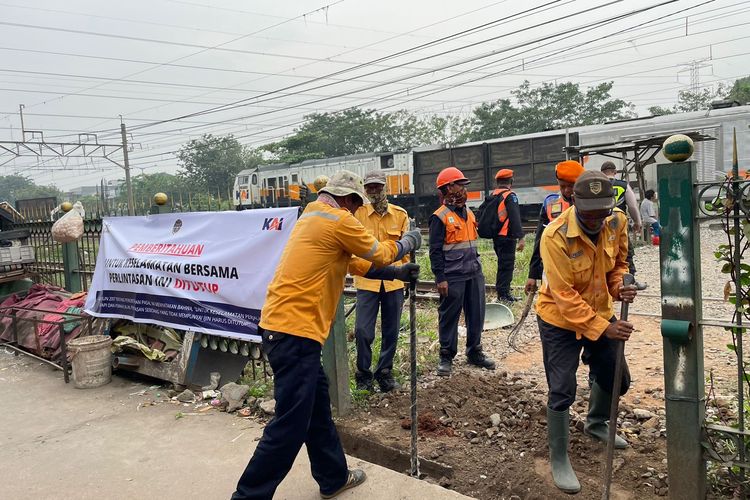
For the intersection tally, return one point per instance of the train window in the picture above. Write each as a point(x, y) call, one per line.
point(522, 176)
point(243, 180)
point(254, 179)
point(544, 174)
point(295, 179)
point(387, 162)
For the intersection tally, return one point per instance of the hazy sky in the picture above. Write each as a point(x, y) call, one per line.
point(77, 66)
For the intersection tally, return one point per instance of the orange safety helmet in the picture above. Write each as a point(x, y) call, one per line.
point(450, 174)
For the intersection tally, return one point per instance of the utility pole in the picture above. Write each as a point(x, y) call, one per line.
point(23, 129)
point(128, 185)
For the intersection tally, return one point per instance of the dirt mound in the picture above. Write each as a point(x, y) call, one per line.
point(491, 428)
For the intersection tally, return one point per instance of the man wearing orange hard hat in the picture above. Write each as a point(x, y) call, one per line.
point(567, 172)
point(454, 260)
point(509, 235)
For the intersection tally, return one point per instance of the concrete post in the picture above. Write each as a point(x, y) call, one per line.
point(681, 329)
point(336, 363)
point(71, 267)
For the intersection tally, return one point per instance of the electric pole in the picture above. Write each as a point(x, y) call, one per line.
point(128, 185)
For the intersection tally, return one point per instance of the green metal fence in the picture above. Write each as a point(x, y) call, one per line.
point(692, 440)
point(50, 266)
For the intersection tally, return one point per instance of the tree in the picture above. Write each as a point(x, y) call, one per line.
point(740, 90)
point(547, 107)
point(212, 162)
point(353, 131)
point(688, 100)
point(20, 187)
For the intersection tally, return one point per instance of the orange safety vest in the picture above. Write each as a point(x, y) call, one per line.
point(460, 245)
point(555, 206)
point(502, 210)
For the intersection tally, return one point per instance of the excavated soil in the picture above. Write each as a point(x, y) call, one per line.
point(509, 459)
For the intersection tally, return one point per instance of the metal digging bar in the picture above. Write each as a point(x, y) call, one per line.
point(627, 279)
point(413, 367)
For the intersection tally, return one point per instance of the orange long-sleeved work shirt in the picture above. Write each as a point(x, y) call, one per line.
point(305, 290)
point(390, 226)
point(581, 279)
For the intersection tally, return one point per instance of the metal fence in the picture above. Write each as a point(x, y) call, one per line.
point(50, 268)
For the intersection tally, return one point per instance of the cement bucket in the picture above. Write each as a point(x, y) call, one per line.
point(92, 361)
point(497, 316)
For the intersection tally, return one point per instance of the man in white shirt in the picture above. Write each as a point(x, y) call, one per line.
point(649, 215)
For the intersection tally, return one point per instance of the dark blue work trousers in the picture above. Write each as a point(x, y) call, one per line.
point(390, 305)
point(467, 295)
point(303, 415)
point(505, 249)
point(561, 352)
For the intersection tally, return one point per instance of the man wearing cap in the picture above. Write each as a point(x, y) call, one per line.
point(454, 260)
point(301, 302)
point(625, 201)
point(567, 173)
point(509, 238)
point(386, 222)
point(584, 252)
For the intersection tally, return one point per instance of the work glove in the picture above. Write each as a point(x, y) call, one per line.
point(410, 241)
point(407, 272)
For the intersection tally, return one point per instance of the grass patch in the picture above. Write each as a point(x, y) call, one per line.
point(259, 388)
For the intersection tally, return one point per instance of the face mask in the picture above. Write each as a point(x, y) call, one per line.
point(457, 199)
point(379, 201)
point(586, 229)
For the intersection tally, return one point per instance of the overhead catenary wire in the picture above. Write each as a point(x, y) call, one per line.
point(251, 127)
point(520, 45)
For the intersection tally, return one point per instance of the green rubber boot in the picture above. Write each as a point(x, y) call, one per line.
point(596, 422)
point(557, 435)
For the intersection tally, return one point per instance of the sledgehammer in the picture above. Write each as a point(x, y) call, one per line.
point(627, 279)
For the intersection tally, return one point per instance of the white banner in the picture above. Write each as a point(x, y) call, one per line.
point(201, 271)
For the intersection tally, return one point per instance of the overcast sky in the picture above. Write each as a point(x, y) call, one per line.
point(77, 66)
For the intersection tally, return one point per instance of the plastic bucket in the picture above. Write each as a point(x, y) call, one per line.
point(92, 361)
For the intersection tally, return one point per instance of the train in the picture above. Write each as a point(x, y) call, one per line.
point(411, 174)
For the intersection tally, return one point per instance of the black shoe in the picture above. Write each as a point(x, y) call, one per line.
point(509, 299)
point(477, 358)
point(386, 381)
point(444, 367)
point(364, 383)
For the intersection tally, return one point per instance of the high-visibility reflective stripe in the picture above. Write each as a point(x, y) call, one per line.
point(442, 211)
point(319, 213)
point(458, 246)
point(372, 251)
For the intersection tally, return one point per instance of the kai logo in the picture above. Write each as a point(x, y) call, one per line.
point(272, 224)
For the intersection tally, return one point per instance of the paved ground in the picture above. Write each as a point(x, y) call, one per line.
point(59, 442)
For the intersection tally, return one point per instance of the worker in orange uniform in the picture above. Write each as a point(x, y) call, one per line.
point(509, 238)
point(567, 173)
point(386, 222)
point(584, 251)
point(458, 272)
point(300, 305)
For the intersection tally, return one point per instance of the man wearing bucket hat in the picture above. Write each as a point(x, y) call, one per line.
point(584, 252)
point(387, 222)
point(567, 173)
point(300, 304)
point(458, 272)
point(509, 238)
